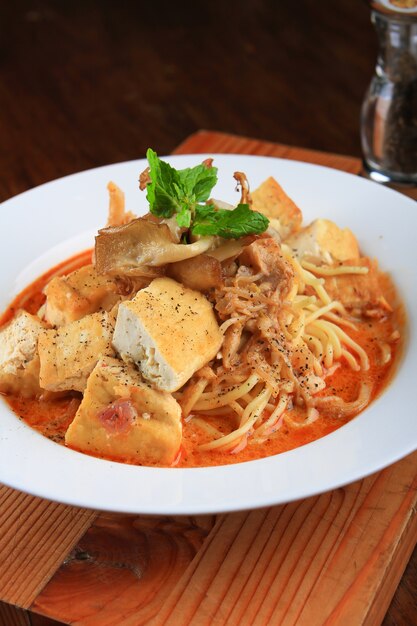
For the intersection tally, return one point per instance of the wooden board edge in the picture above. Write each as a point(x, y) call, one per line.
point(204, 141)
point(390, 582)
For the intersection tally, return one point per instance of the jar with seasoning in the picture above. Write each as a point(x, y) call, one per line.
point(389, 111)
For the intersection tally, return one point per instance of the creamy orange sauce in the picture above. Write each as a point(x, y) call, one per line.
point(344, 382)
point(51, 416)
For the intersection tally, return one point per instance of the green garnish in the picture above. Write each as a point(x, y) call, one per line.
point(182, 192)
point(233, 224)
point(178, 192)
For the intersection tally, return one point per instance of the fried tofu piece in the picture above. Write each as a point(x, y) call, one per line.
point(19, 362)
point(361, 294)
point(123, 418)
point(69, 298)
point(323, 241)
point(69, 354)
point(271, 200)
point(168, 331)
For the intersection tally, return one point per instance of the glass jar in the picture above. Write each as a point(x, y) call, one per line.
point(389, 110)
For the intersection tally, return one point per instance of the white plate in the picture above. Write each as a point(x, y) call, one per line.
point(43, 226)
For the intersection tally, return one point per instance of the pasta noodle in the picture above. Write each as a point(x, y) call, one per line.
point(315, 322)
point(334, 271)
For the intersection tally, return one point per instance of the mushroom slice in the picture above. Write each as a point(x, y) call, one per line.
point(141, 247)
point(230, 248)
point(201, 273)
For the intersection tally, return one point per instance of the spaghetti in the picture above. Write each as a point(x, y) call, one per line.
point(311, 331)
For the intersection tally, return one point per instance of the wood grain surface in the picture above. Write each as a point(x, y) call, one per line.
point(305, 563)
point(88, 83)
point(36, 535)
point(123, 569)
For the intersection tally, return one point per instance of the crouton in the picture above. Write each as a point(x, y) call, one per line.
point(122, 418)
point(168, 331)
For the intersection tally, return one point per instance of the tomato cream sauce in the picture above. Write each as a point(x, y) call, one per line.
point(52, 414)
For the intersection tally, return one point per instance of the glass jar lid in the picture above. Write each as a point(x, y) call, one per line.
point(396, 7)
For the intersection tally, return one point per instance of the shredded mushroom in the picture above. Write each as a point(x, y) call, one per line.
point(242, 183)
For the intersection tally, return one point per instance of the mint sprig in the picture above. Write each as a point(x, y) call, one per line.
point(177, 192)
point(181, 192)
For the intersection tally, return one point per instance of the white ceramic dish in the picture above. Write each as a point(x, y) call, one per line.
point(42, 226)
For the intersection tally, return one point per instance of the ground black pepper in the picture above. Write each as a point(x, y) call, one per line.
point(389, 113)
point(400, 145)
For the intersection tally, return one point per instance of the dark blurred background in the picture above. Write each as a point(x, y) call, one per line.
point(84, 83)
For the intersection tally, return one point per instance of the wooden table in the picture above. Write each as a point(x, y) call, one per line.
point(332, 559)
point(89, 83)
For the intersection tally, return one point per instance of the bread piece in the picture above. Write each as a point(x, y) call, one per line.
point(122, 418)
point(168, 331)
point(271, 200)
point(19, 363)
point(69, 354)
point(69, 298)
point(323, 241)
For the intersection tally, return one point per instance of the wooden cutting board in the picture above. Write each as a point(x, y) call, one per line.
point(332, 560)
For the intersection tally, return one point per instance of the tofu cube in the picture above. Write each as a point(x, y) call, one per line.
point(19, 362)
point(122, 418)
point(69, 354)
point(71, 297)
point(168, 331)
point(361, 294)
point(271, 200)
point(323, 241)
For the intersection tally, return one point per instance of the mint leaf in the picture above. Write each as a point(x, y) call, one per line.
point(198, 181)
point(177, 192)
point(241, 221)
point(183, 217)
point(162, 191)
